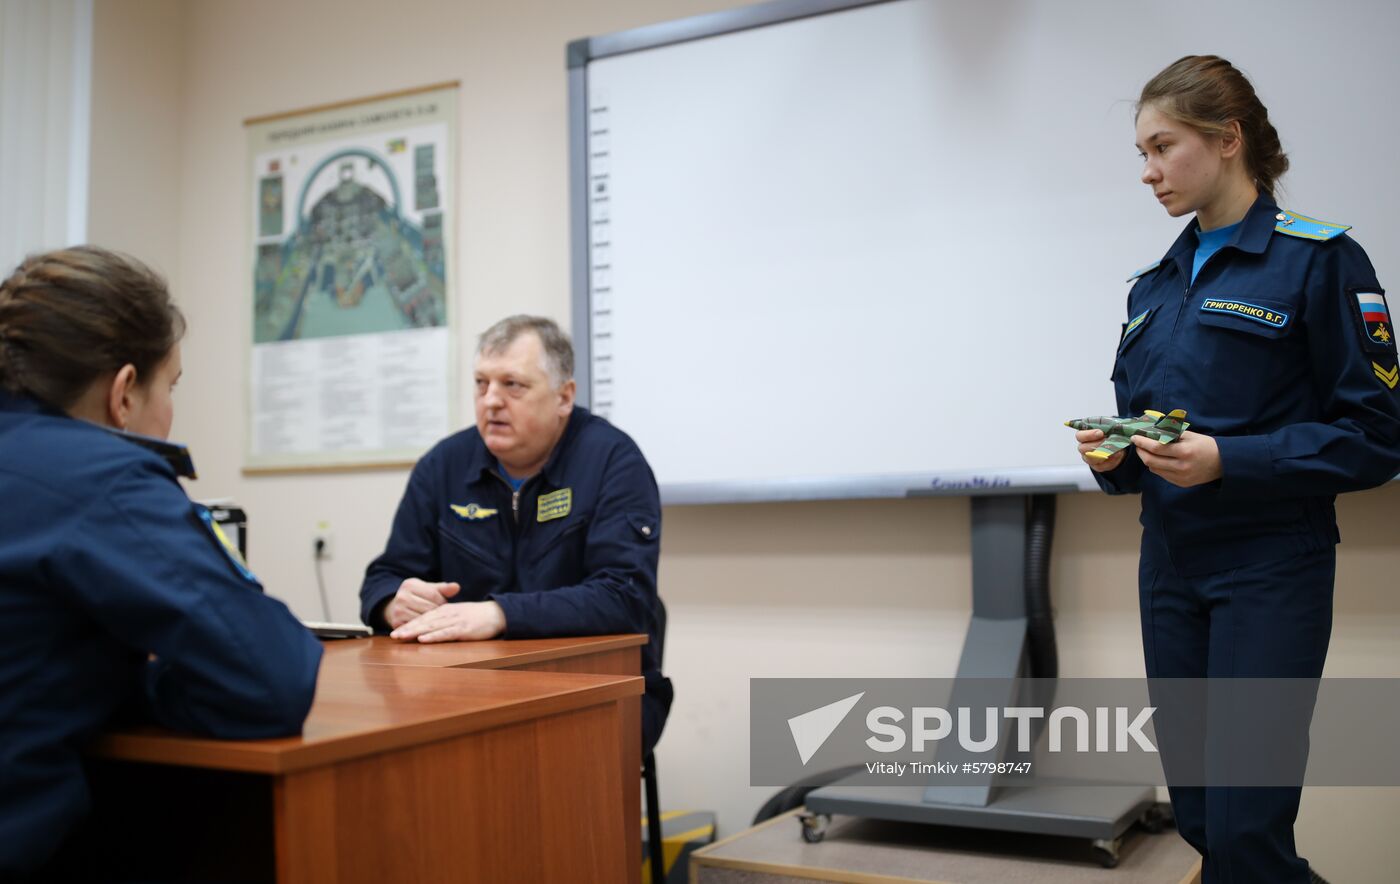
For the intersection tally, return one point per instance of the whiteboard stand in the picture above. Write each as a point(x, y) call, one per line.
point(996, 651)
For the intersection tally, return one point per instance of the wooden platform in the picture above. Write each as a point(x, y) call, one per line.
point(859, 851)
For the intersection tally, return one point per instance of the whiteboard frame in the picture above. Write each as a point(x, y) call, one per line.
point(580, 53)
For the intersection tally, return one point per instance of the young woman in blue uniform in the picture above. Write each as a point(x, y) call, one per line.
point(116, 595)
point(1271, 330)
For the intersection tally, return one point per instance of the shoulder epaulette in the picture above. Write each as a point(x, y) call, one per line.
point(1302, 226)
point(1143, 271)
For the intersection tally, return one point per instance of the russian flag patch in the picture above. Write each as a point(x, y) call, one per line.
point(1375, 319)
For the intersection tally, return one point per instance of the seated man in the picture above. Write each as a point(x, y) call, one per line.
point(542, 520)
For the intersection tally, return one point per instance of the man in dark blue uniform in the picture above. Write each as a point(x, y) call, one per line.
point(542, 520)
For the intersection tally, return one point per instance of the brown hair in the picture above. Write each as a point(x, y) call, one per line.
point(1206, 92)
point(70, 316)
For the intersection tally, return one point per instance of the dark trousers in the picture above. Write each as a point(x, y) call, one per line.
point(1266, 620)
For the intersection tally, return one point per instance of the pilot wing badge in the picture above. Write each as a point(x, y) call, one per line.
point(471, 512)
point(1119, 431)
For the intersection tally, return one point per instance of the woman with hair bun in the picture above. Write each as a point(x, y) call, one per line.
point(116, 594)
point(1271, 330)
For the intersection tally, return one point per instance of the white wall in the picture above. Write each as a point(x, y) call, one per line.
point(849, 588)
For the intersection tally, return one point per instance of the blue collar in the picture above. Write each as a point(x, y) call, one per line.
point(1217, 238)
point(1251, 234)
point(483, 461)
point(514, 483)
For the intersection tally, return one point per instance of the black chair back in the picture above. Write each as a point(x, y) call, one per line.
point(655, 849)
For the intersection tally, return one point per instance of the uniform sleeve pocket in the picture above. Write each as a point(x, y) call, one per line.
point(1265, 319)
point(645, 525)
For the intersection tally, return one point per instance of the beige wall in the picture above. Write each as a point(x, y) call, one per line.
point(847, 588)
point(137, 92)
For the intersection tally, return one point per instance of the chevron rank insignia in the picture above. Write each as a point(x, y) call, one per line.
point(1302, 226)
point(1388, 376)
point(471, 512)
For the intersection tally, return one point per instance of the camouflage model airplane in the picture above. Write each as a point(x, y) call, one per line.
point(1118, 431)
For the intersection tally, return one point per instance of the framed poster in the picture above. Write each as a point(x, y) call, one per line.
point(351, 267)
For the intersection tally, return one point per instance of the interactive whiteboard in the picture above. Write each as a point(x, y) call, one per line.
point(879, 249)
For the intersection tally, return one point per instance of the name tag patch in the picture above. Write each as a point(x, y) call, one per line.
point(555, 505)
point(471, 512)
point(1271, 318)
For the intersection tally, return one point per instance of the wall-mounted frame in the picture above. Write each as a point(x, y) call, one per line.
point(351, 265)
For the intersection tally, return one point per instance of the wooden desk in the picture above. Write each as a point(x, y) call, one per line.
point(405, 772)
point(594, 654)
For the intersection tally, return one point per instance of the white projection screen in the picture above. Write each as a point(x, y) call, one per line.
point(827, 250)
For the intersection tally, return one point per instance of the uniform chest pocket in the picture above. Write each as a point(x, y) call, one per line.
point(567, 535)
point(1133, 328)
point(467, 546)
point(1243, 349)
point(556, 559)
point(1252, 316)
point(1133, 331)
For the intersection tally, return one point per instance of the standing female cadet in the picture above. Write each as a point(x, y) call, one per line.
point(1271, 330)
point(114, 592)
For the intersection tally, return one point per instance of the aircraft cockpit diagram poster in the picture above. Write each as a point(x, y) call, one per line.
point(351, 271)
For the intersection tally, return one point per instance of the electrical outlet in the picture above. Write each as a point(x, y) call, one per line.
point(322, 543)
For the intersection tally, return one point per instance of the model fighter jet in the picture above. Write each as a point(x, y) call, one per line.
point(1118, 431)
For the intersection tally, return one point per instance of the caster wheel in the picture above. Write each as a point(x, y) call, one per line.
point(1106, 852)
point(814, 827)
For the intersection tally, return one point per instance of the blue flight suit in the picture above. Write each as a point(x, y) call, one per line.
point(104, 562)
point(574, 552)
point(1282, 350)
